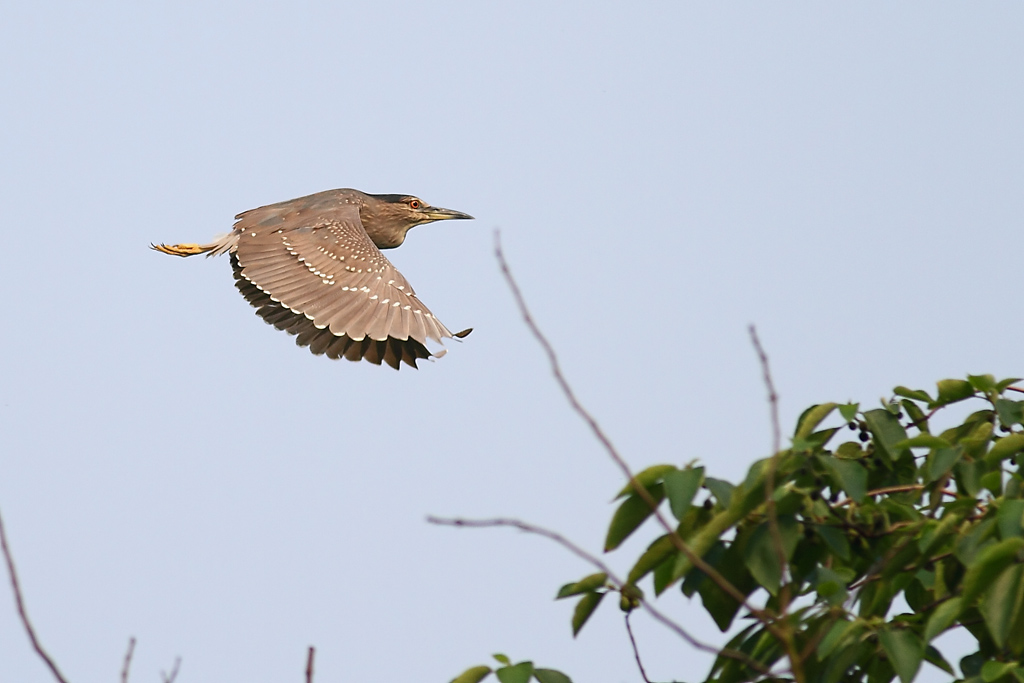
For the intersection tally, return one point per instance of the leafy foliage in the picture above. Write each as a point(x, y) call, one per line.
point(522, 672)
point(852, 550)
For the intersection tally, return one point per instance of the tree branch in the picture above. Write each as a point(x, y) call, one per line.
point(127, 660)
point(174, 671)
point(784, 634)
point(641, 491)
point(19, 600)
point(594, 561)
point(309, 664)
point(636, 652)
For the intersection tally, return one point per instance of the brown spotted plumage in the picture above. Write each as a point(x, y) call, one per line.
point(312, 267)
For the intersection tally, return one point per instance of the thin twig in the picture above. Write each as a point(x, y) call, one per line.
point(636, 652)
point(127, 660)
point(902, 488)
point(20, 602)
point(784, 635)
point(773, 396)
point(587, 557)
point(309, 665)
point(773, 464)
point(641, 491)
point(174, 672)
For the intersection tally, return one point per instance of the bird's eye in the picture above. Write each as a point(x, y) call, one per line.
point(415, 204)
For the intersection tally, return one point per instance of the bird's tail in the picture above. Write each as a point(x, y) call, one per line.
point(220, 245)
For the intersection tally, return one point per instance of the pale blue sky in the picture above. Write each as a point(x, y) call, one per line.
point(846, 176)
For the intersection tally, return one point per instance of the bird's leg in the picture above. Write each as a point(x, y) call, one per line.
point(181, 249)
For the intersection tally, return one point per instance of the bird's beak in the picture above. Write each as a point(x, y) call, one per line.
point(436, 213)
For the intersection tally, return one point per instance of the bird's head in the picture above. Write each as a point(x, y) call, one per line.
point(387, 217)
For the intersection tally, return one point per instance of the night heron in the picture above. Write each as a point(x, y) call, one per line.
point(312, 267)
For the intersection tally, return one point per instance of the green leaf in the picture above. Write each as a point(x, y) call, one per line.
point(905, 651)
point(974, 541)
point(916, 415)
point(664, 576)
point(942, 618)
point(518, 673)
point(968, 476)
point(849, 450)
point(729, 563)
point(836, 541)
point(647, 478)
point(1010, 412)
point(656, 554)
point(1006, 382)
point(924, 441)
point(1009, 518)
point(587, 584)
point(934, 657)
point(831, 584)
point(849, 411)
point(811, 418)
point(971, 664)
point(953, 390)
point(887, 432)
point(941, 462)
point(849, 474)
point(473, 675)
point(761, 554)
point(916, 394)
point(502, 658)
point(584, 608)
point(680, 488)
point(993, 670)
point(993, 481)
point(550, 676)
point(631, 513)
point(987, 565)
point(984, 383)
point(720, 489)
point(975, 442)
point(1003, 605)
point(1006, 447)
point(838, 633)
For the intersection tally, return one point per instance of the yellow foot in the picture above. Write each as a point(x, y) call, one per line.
point(179, 249)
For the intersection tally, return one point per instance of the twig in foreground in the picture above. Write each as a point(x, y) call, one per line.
point(636, 652)
point(587, 557)
point(127, 660)
point(309, 665)
point(174, 671)
point(641, 491)
point(773, 396)
point(16, 587)
point(783, 635)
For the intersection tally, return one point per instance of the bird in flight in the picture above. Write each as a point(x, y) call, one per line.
point(312, 267)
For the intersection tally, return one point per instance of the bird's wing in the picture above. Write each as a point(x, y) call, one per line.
point(323, 341)
point(323, 266)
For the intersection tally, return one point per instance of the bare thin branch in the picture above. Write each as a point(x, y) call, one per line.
point(174, 671)
point(309, 664)
point(784, 634)
point(594, 561)
point(773, 396)
point(769, 482)
point(636, 652)
point(20, 602)
point(127, 660)
point(595, 428)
